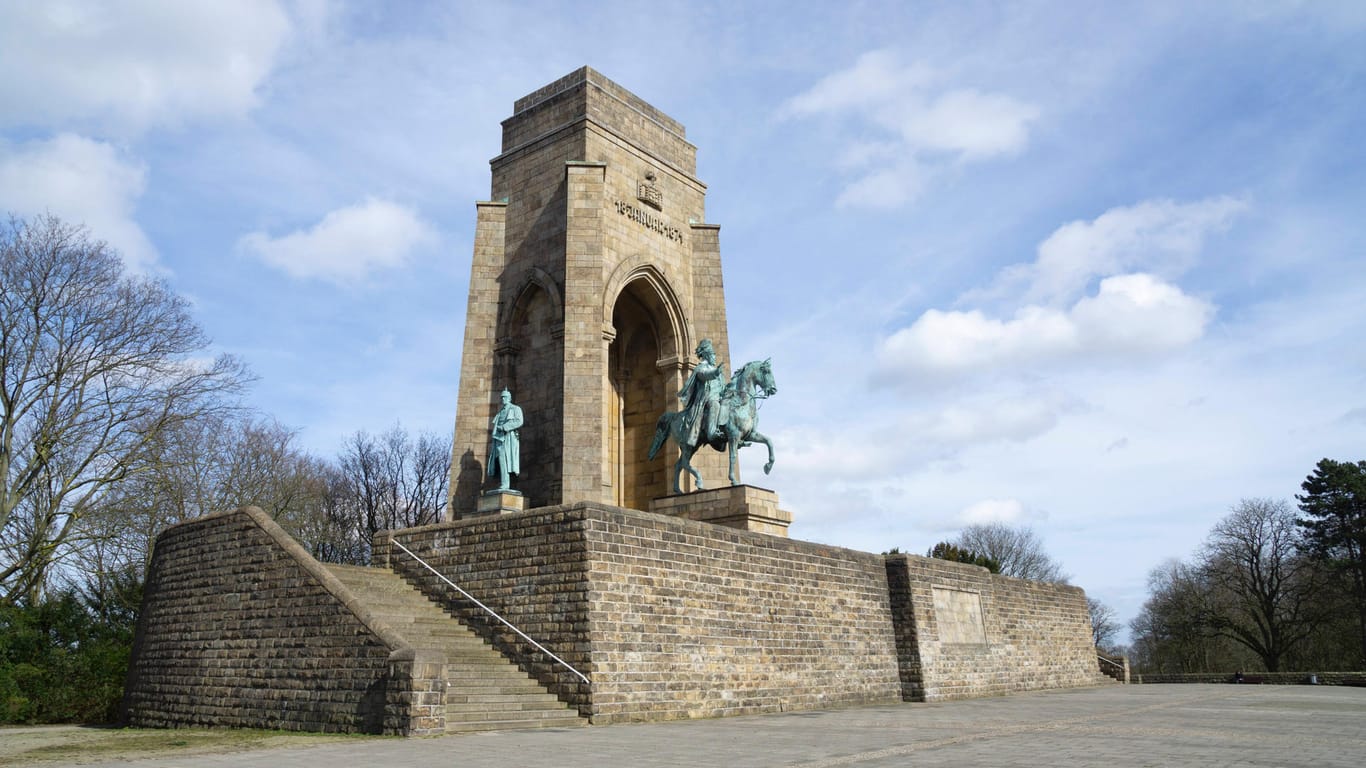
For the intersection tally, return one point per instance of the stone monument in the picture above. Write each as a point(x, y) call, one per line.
point(594, 277)
point(593, 282)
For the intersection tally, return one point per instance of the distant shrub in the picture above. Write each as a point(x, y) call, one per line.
point(63, 660)
point(946, 551)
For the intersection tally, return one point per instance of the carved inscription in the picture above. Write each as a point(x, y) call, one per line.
point(649, 220)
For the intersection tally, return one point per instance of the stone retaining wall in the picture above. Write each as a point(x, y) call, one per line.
point(1354, 679)
point(670, 618)
point(241, 627)
point(965, 632)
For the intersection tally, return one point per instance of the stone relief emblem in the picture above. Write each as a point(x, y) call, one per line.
point(648, 193)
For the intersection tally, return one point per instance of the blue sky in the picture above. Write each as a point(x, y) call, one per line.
point(1098, 268)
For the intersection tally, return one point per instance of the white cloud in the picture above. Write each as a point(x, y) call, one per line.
point(1012, 419)
point(890, 187)
point(966, 121)
point(1162, 237)
point(1134, 251)
point(1129, 314)
point(137, 63)
point(909, 126)
point(1008, 511)
point(82, 182)
point(1138, 313)
point(940, 341)
point(875, 79)
point(347, 244)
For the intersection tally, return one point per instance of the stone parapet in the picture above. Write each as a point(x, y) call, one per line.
point(737, 506)
point(964, 632)
point(240, 627)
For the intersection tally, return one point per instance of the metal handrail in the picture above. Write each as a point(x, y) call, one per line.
point(1108, 660)
point(490, 611)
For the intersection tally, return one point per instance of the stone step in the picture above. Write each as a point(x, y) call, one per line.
point(518, 698)
point(485, 691)
point(571, 720)
point(465, 693)
point(514, 704)
point(471, 673)
point(505, 715)
point(484, 683)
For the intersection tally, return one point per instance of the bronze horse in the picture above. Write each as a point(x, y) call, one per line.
point(738, 421)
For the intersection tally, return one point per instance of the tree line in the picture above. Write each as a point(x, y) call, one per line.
point(1273, 586)
point(114, 425)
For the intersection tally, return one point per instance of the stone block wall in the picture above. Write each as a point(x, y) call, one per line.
point(529, 567)
point(240, 627)
point(670, 618)
point(964, 632)
point(1352, 679)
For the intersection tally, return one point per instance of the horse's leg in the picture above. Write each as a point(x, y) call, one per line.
point(759, 437)
point(732, 444)
point(685, 462)
point(696, 476)
point(678, 472)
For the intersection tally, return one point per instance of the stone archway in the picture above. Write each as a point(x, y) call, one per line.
point(643, 370)
point(527, 361)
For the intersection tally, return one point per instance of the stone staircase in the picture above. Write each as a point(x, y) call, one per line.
point(484, 691)
point(1114, 667)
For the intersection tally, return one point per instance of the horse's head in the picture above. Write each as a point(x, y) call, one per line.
point(765, 378)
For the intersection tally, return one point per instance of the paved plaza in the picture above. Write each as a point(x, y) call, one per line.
point(1113, 726)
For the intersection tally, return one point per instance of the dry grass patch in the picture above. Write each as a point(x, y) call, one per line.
point(80, 745)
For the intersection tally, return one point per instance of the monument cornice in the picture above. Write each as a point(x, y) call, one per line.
point(588, 120)
point(587, 76)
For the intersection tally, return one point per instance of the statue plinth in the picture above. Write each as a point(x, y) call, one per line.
point(738, 506)
point(500, 502)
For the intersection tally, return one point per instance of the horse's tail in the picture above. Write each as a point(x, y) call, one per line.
point(662, 428)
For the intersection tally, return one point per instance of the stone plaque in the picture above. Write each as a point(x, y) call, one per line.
point(959, 614)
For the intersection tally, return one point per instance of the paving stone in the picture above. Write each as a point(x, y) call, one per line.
point(1113, 727)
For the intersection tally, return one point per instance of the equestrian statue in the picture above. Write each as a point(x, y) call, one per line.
point(714, 412)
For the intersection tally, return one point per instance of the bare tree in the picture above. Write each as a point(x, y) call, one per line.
point(1263, 592)
point(1171, 633)
point(217, 462)
point(1017, 549)
point(95, 366)
point(392, 481)
point(1104, 627)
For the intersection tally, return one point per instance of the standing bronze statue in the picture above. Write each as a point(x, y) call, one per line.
point(716, 413)
point(505, 447)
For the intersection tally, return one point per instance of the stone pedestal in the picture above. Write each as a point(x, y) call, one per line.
point(500, 502)
point(738, 506)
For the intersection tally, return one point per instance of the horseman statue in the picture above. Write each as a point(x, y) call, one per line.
point(701, 398)
point(714, 412)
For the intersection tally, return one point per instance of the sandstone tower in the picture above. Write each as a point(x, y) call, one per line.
point(594, 277)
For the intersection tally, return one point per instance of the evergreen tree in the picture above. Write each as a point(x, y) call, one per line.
point(946, 551)
point(1334, 506)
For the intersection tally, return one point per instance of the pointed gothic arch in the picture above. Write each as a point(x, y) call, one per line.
point(649, 339)
point(528, 355)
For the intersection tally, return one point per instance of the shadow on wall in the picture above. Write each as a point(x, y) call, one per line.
point(370, 711)
point(471, 476)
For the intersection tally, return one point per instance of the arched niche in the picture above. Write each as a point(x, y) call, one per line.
point(644, 363)
point(528, 361)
